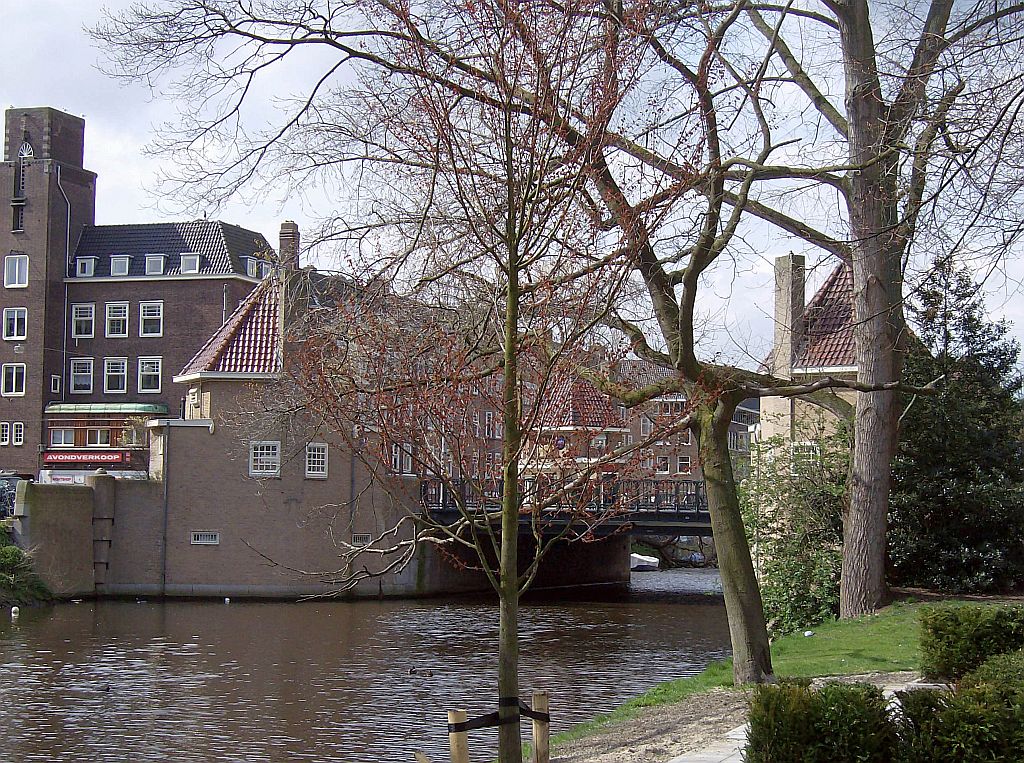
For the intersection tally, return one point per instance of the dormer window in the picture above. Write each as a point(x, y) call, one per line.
point(264, 268)
point(85, 267)
point(119, 265)
point(154, 264)
point(190, 263)
point(251, 267)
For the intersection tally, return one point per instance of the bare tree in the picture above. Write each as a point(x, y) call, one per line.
point(640, 145)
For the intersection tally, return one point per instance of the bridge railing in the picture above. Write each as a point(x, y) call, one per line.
point(618, 496)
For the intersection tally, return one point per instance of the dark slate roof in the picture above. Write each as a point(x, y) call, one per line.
point(220, 246)
point(828, 324)
point(248, 341)
point(639, 373)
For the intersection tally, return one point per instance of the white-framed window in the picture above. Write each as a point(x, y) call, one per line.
point(265, 268)
point(115, 376)
point(97, 438)
point(81, 376)
point(683, 465)
point(5, 433)
point(316, 460)
point(646, 426)
point(55, 384)
point(663, 465)
point(154, 264)
point(361, 540)
point(205, 538)
point(685, 437)
point(251, 267)
point(151, 319)
point(18, 433)
point(13, 380)
point(149, 374)
point(476, 423)
point(16, 271)
point(62, 437)
point(83, 321)
point(738, 440)
point(190, 263)
point(15, 322)
point(117, 319)
point(489, 424)
point(85, 267)
point(804, 455)
point(401, 458)
point(119, 264)
point(264, 458)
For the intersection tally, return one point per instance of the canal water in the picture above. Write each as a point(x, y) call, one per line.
point(359, 682)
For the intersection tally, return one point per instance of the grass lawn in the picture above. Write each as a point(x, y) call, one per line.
point(884, 642)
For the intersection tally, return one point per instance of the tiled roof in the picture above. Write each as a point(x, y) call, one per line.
point(247, 343)
point(643, 373)
point(574, 402)
point(828, 324)
point(220, 246)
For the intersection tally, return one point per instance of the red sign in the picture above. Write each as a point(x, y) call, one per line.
point(79, 457)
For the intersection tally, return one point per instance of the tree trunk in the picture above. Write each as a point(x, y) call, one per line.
point(878, 317)
point(751, 656)
point(510, 744)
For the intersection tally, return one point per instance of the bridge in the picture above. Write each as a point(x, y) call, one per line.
point(633, 507)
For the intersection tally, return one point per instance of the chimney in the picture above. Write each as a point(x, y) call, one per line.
point(789, 312)
point(288, 246)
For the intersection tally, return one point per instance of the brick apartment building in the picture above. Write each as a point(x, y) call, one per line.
point(98, 318)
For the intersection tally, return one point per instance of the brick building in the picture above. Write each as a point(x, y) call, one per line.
point(98, 318)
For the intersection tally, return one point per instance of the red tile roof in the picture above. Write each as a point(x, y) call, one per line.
point(574, 402)
point(828, 324)
point(248, 341)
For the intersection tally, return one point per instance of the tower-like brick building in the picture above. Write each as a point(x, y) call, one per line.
point(97, 319)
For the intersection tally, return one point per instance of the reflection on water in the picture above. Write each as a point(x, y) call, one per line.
point(328, 681)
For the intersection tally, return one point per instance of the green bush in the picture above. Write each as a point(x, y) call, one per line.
point(957, 639)
point(835, 724)
point(968, 726)
point(11, 558)
point(1004, 672)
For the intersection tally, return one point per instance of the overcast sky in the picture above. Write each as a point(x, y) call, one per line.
point(49, 61)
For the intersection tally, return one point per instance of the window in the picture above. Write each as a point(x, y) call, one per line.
point(683, 465)
point(205, 538)
point(265, 268)
point(190, 263)
point(18, 433)
point(154, 264)
point(401, 458)
point(663, 465)
point(265, 458)
point(86, 267)
point(5, 433)
point(251, 267)
point(97, 438)
point(55, 384)
point(476, 423)
point(685, 437)
point(805, 455)
point(15, 322)
point(119, 265)
point(646, 426)
point(316, 460)
point(115, 375)
point(738, 441)
point(16, 271)
point(361, 539)
point(489, 424)
point(82, 321)
point(149, 374)
point(18, 223)
point(81, 376)
point(13, 380)
point(151, 319)
point(25, 155)
point(117, 319)
point(62, 437)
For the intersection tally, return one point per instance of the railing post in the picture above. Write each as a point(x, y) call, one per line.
point(458, 740)
point(541, 729)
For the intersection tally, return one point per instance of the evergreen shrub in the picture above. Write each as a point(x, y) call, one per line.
point(957, 639)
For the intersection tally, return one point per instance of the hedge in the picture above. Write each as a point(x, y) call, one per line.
point(956, 639)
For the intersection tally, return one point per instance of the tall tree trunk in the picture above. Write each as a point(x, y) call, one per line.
point(510, 744)
point(878, 317)
point(751, 656)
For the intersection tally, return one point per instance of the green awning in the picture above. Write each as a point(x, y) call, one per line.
point(127, 409)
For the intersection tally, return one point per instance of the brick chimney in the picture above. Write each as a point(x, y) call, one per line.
point(288, 246)
point(789, 312)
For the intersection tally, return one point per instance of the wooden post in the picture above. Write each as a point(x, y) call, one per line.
point(458, 740)
point(541, 729)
